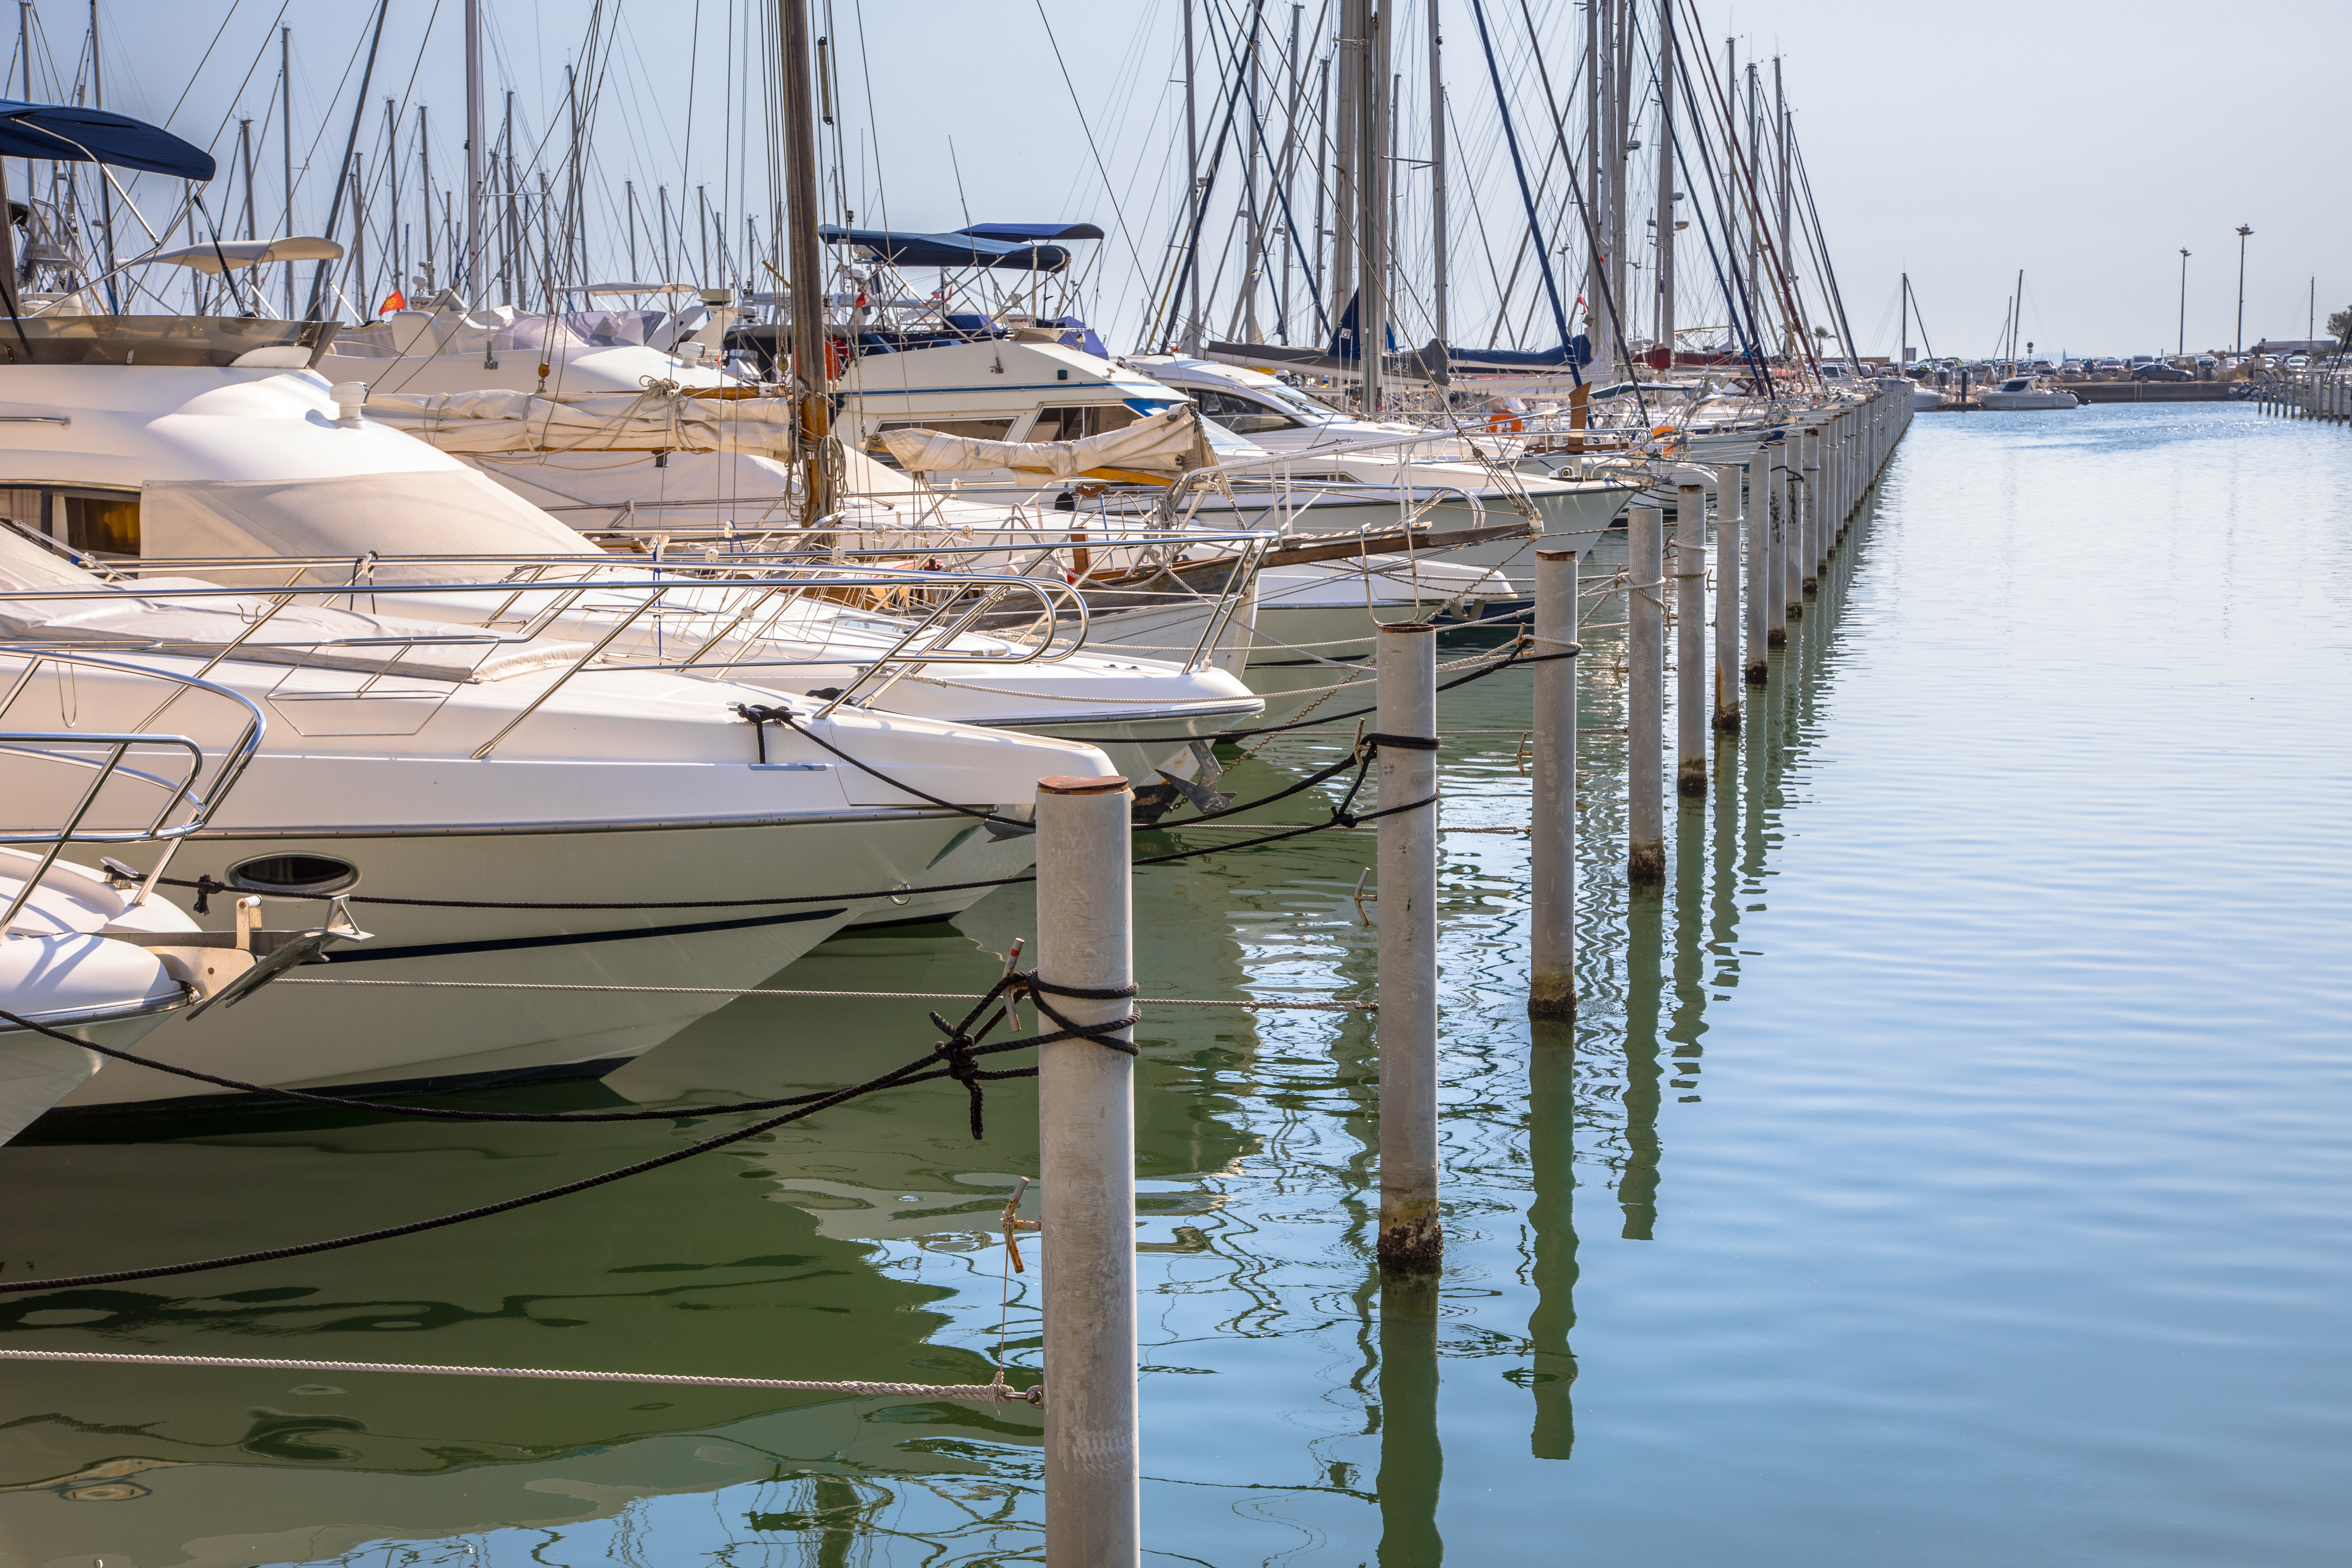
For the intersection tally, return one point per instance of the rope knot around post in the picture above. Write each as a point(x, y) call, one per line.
point(963, 1046)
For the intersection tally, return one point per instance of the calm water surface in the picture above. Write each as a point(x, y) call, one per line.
point(1949, 1166)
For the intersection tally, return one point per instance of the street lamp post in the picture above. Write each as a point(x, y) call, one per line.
point(2242, 232)
point(2183, 346)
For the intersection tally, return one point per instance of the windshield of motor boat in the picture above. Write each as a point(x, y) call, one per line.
point(1228, 447)
point(1297, 401)
point(2016, 384)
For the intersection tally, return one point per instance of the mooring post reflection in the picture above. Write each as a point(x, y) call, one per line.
point(1688, 1021)
point(1637, 1185)
point(1551, 1156)
point(1412, 1463)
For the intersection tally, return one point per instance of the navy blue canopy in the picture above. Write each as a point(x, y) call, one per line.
point(1029, 233)
point(945, 249)
point(65, 134)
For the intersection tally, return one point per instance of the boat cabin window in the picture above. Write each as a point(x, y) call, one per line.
point(103, 522)
point(1243, 416)
point(1077, 422)
point(2015, 383)
point(977, 429)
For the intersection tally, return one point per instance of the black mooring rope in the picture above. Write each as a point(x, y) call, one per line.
point(960, 1050)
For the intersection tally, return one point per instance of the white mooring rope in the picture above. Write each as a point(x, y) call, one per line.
point(983, 1392)
point(1249, 1003)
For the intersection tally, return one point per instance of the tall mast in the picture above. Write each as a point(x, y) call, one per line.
point(1732, 215)
point(24, 53)
point(472, 268)
point(106, 187)
point(364, 306)
point(1596, 271)
point(1755, 215)
point(1254, 242)
point(574, 235)
point(424, 195)
point(244, 160)
point(1372, 219)
point(513, 291)
point(1620, 115)
point(1437, 178)
point(1190, 334)
point(1315, 252)
point(806, 282)
point(1288, 176)
point(1355, 22)
point(285, 139)
point(1902, 326)
point(1788, 256)
point(1665, 258)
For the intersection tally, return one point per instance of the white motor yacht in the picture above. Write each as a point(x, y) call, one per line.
point(665, 463)
point(160, 461)
point(502, 809)
point(2023, 393)
point(1310, 437)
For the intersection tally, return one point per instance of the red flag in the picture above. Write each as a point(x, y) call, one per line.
point(395, 301)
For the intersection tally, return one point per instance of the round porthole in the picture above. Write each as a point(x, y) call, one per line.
point(294, 876)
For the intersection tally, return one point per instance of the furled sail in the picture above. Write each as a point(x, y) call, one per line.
point(659, 419)
point(1165, 443)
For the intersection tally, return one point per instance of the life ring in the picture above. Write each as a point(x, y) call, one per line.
point(1503, 422)
point(1669, 442)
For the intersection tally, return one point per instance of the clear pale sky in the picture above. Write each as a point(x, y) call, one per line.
point(2083, 140)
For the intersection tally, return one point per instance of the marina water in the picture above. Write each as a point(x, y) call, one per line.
point(1947, 1166)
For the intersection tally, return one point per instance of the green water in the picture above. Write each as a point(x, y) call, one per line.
point(1949, 1165)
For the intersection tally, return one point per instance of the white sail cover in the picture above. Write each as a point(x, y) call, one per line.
point(655, 420)
point(1165, 442)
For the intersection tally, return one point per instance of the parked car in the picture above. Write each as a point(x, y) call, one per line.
point(2161, 371)
point(2298, 361)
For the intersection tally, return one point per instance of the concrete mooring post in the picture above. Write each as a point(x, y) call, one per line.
point(1690, 636)
point(1785, 486)
point(1645, 692)
point(1809, 508)
point(1800, 504)
point(1086, 1167)
point(1758, 529)
point(1551, 957)
point(1727, 596)
point(1410, 1236)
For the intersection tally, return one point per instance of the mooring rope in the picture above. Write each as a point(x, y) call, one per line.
point(1243, 1004)
point(982, 1393)
point(961, 1050)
